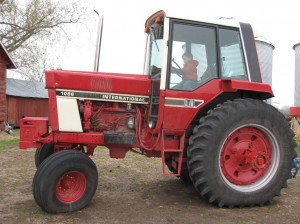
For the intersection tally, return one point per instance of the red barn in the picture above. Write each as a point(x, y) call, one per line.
point(5, 63)
point(25, 99)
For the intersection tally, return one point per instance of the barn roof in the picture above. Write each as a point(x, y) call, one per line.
point(10, 62)
point(25, 88)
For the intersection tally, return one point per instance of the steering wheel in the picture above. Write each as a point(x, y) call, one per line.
point(181, 71)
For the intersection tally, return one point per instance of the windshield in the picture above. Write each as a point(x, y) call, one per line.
point(154, 51)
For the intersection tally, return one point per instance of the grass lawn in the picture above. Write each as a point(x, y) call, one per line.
point(9, 141)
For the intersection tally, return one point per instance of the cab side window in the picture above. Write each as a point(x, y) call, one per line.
point(232, 59)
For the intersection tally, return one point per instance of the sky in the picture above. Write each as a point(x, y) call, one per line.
point(123, 40)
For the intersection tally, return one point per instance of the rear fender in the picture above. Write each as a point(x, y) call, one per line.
point(259, 90)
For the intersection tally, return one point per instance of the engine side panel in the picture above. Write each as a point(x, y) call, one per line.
point(68, 115)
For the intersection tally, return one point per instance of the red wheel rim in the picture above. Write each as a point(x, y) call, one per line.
point(70, 187)
point(245, 156)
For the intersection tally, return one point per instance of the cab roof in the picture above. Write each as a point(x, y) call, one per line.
point(231, 22)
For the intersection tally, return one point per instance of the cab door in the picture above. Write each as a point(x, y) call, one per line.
point(215, 51)
point(183, 95)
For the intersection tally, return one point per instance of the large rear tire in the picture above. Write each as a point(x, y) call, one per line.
point(66, 181)
point(241, 154)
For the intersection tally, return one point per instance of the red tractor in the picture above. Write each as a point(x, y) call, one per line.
point(206, 118)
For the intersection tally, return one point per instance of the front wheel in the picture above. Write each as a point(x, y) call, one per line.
point(66, 181)
point(241, 154)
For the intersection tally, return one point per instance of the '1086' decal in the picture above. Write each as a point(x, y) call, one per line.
point(103, 96)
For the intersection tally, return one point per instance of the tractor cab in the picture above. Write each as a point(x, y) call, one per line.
point(183, 56)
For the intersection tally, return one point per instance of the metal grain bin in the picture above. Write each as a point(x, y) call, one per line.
point(265, 56)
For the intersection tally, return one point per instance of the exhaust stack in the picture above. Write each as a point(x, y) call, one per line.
point(98, 42)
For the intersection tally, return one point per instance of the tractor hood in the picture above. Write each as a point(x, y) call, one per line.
point(98, 82)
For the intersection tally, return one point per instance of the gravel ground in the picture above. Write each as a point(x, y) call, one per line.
point(131, 190)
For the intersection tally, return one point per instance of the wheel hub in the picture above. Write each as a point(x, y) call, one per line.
point(71, 187)
point(245, 156)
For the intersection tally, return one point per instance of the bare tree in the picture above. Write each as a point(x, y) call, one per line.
point(28, 28)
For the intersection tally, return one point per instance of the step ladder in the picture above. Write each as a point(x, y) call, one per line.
point(178, 146)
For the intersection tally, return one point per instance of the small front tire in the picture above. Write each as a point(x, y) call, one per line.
point(66, 181)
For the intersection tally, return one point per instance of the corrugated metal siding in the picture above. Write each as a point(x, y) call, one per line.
point(233, 59)
point(265, 57)
point(18, 107)
point(297, 76)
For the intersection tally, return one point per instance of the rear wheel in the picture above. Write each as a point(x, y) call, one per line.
point(241, 154)
point(65, 182)
point(42, 153)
